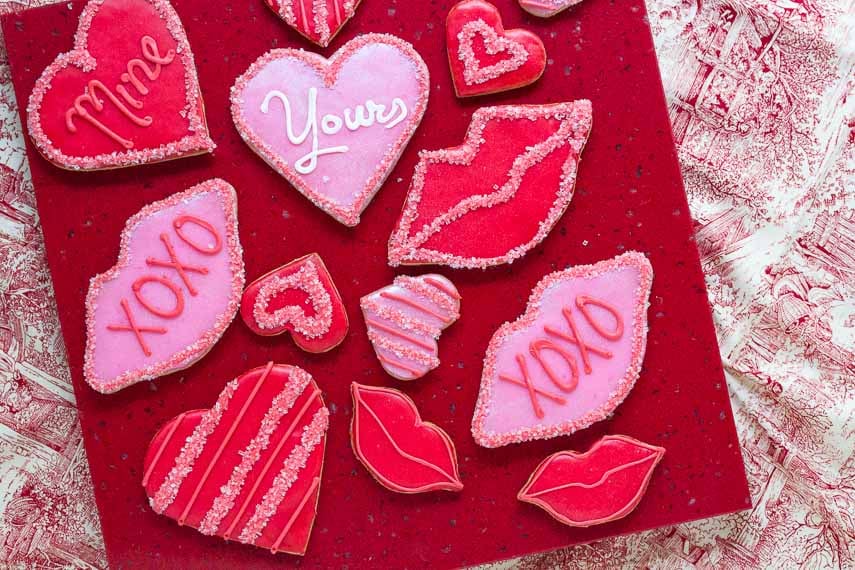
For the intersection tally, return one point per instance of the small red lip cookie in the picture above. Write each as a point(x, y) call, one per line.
point(299, 297)
point(127, 94)
point(318, 22)
point(546, 8)
point(486, 58)
point(173, 292)
point(602, 485)
point(406, 319)
point(249, 468)
point(402, 452)
point(496, 196)
point(571, 359)
point(333, 128)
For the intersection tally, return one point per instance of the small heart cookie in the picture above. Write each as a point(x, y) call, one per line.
point(299, 297)
point(333, 128)
point(317, 21)
point(249, 468)
point(484, 57)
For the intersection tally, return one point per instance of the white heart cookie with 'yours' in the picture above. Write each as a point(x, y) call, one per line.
point(333, 128)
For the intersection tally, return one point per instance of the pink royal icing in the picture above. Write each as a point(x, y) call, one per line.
point(333, 128)
point(571, 359)
point(174, 290)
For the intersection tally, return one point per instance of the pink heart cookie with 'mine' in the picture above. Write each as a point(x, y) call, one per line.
point(571, 359)
point(333, 128)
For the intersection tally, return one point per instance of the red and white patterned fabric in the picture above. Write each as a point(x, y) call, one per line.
point(762, 100)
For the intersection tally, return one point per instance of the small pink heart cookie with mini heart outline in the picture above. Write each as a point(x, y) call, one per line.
point(301, 298)
point(317, 21)
point(173, 292)
point(405, 320)
point(333, 128)
point(546, 8)
point(484, 57)
point(571, 359)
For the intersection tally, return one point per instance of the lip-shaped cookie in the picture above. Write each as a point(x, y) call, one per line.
point(317, 21)
point(495, 197)
point(485, 57)
point(173, 292)
point(333, 128)
point(571, 358)
point(249, 468)
point(127, 94)
point(301, 298)
point(402, 452)
point(604, 484)
point(405, 320)
point(546, 8)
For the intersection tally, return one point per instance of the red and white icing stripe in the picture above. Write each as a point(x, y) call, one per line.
point(405, 321)
point(305, 279)
point(317, 20)
point(473, 72)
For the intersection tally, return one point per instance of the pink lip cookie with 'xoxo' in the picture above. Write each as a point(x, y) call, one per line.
point(333, 128)
point(571, 359)
point(173, 292)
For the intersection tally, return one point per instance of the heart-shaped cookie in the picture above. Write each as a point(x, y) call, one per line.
point(333, 128)
point(317, 21)
point(301, 298)
point(486, 58)
point(249, 468)
point(127, 94)
point(546, 8)
point(571, 359)
point(405, 320)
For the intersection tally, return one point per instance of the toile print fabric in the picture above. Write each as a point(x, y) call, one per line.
point(762, 102)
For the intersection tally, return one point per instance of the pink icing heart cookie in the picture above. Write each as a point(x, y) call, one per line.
point(402, 452)
point(249, 468)
point(571, 359)
point(127, 94)
point(301, 298)
point(601, 485)
point(495, 197)
point(317, 21)
point(333, 128)
point(173, 292)
point(405, 320)
point(546, 8)
point(486, 58)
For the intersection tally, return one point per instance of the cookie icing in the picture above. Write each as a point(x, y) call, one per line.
point(318, 21)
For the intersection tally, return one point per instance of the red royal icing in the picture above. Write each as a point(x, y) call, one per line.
point(318, 21)
point(496, 196)
point(486, 58)
point(301, 298)
point(402, 452)
point(601, 485)
point(249, 468)
point(110, 103)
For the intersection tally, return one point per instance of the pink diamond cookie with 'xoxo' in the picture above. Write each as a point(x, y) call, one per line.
point(571, 359)
point(333, 128)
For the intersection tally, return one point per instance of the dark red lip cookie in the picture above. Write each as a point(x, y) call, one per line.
point(495, 197)
point(249, 468)
point(127, 94)
point(301, 298)
point(484, 56)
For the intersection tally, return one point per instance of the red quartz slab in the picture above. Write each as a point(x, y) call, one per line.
point(629, 196)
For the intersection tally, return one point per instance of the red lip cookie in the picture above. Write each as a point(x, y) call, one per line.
point(602, 485)
point(403, 453)
point(496, 196)
point(333, 128)
point(173, 292)
point(127, 94)
point(249, 468)
point(405, 321)
point(317, 21)
point(546, 8)
point(301, 298)
point(571, 359)
point(486, 58)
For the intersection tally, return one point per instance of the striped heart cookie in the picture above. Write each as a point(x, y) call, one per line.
point(249, 468)
point(405, 320)
point(319, 21)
